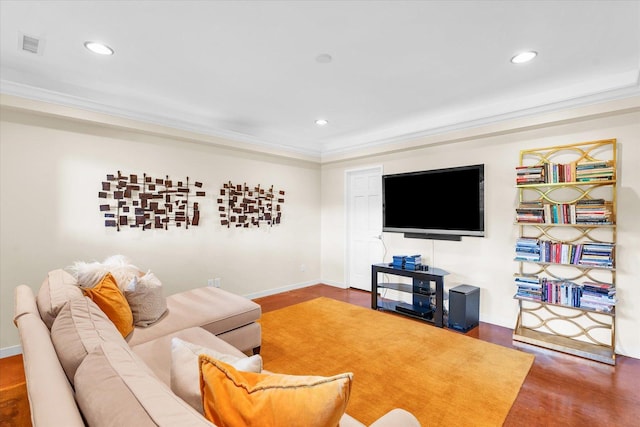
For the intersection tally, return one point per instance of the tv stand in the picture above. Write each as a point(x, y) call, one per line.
point(426, 289)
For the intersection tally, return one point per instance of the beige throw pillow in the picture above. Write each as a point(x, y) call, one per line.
point(146, 300)
point(185, 375)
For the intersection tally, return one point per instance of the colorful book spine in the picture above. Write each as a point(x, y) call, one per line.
point(552, 173)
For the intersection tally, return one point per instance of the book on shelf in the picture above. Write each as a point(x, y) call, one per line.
point(561, 213)
point(560, 253)
point(598, 296)
point(530, 174)
point(551, 173)
point(559, 172)
point(598, 170)
point(586, 212)
point(528, 287)
point(580, 254)
point(594, 211)
point(589, 295)
point(600, 288)
point(562, 292)
point(527, 250)
point(532, 212)
point(597, 254)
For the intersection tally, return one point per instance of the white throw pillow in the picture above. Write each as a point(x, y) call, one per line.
point(185, 372)
point(88, 274)
point(121, 269)
point(146, 300)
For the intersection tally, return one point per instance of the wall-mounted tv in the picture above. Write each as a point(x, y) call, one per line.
point(438, 204)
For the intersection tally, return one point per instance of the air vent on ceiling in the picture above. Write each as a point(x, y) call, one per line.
point(31, 44)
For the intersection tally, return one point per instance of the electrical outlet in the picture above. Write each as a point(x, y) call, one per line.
point(216, 282)
point(210, 282)
point(303, 267)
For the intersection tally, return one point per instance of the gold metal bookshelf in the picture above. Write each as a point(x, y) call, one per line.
point(579, 331)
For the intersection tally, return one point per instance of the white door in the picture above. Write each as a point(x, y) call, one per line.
point(364, 225)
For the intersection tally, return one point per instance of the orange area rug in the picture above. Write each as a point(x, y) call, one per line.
point(444, 378)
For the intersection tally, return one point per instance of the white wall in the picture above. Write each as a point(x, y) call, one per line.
point(51, 169)
point(51, 172)
point(487, 262)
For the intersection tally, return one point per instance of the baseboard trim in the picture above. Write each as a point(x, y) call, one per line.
point(334, 284)
point(274, 291)
point(10, 351)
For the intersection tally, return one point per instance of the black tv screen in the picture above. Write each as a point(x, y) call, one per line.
point(435, 202)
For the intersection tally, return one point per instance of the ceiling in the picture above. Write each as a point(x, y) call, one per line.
point(249, 70)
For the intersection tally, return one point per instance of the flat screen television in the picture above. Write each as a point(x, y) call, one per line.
point(440, 203)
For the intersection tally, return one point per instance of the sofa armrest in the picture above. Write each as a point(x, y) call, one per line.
point(25, 302)
point(397, 417)
point(50, 394)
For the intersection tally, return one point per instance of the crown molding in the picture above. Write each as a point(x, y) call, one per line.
point(429, 129)
point(622, 105)
point(610, 88)
point(74, 102)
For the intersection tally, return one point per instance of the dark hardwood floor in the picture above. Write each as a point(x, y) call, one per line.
point(560, 390)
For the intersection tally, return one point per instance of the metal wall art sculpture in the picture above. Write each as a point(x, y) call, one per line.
point(244, 206)
point(149, 203)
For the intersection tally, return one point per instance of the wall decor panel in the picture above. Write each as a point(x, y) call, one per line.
point(240, 205)
point(145, 202)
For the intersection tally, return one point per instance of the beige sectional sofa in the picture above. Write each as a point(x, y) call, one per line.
point(81, 371)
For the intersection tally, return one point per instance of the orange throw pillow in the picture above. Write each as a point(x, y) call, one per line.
point(232, 398)
point(112, 302)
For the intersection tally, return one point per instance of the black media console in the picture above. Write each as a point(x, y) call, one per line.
point(426, 289)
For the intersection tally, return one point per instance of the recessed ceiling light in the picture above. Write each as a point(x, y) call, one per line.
point(324, 58)
point(524, 57)
point(321, 122)
point(99, 48)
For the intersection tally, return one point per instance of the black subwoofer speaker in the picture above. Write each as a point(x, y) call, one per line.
point(464, 307)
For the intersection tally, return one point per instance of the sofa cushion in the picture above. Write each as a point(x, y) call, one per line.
point(213, 309)
point(395, 417)
point(115, 388)
point(157, 353)
point(185, 375)
point(146, 300)
point(58, 288)
point(78, 329)
point(112, 302)
point(233, 398)
point(247, 338)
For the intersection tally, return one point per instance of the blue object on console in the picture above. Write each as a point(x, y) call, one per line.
point(407, 262)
